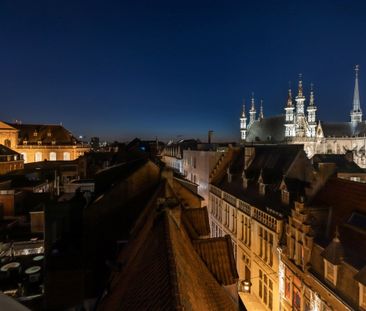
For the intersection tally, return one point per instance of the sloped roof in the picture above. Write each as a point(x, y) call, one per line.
point(334, 252)
point(272, 161)
point(164, 272)
point(271, 129)
point(343, 164)
point(361, 276)
point(342, 129)
point(5, 151)
point(217, 254)
point(197, 218)
point(44, 133)
point(160, 268)
point(344, 198)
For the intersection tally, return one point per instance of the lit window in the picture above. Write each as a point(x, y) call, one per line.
point(35, 134)
point(52, 156)
point(38, 156)
point(66, 156)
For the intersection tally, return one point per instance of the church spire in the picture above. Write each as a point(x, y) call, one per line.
point(356, 113)
point(252, 112)
point(311, 109)
point(243, 123)
point(261, 115)
point(289, 98)
point(300, 93)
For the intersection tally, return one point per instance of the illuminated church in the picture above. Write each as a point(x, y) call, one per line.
point(300, 125)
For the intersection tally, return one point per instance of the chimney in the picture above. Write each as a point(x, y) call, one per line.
point(210, 133)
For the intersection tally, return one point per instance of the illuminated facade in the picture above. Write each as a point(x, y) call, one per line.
point(249, 200)
point(301, 126)
point(41, 142)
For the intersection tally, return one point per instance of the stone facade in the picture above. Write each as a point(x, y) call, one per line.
point(41, 142)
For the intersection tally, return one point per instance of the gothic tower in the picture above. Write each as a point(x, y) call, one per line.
point(300, 111)
point(252, 112)
point(356, 113)
point(261, 115)
point(290, 118)
point(243, 124)
point(311, 109)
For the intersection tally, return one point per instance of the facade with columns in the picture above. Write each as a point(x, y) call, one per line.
point(300, 125)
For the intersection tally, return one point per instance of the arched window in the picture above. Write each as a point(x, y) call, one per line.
point(66, 156)
point(7, 143)
point(53, 156)
point(38, 156)
point(24, 155)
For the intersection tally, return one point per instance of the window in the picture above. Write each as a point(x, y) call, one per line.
point(7, 143)
point(362, 296)
point(38, 156)
point(49, 134)
point(265, 289)
point(66, 156)
point(285, 195)
point(262, 189)
point(330, 272)
point(53, 156)
point(35, 134)
point(24, 155)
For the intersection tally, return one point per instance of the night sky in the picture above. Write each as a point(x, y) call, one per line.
point(174, 68)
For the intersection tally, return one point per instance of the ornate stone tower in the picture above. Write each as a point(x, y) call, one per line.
point(300, 111)
point(290, 118)
point(356, 113)
point(243, 124)
point(252, 112)
point(311, 109)
point(261, 115)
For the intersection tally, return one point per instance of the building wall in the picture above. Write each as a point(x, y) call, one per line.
point(255, 236)
point(50, 153)
point(197, 166)
point(6, 167)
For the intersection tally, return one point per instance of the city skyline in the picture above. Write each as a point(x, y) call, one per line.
point(174, 69)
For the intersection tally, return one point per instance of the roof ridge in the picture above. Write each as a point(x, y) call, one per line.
point(172, 264)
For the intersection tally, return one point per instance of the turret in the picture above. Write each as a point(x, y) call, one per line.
point(261, 115)
point(243, 124)
point(300, 112)
point(311, 109)
point(290, 118)
point(252, 112)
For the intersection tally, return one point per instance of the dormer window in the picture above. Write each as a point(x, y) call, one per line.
point(39, 142)
point(262, 189)
point(49, 134)
point(285, 196)
point(330, 272)
point(362, 299)
point(35, 134)
point(53, 142)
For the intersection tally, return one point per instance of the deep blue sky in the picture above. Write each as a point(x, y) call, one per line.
point(120, 69)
